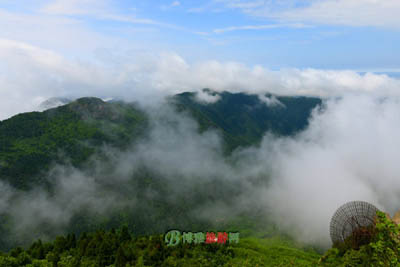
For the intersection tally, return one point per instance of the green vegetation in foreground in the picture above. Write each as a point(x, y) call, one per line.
point(383, 250)
point(120, 248)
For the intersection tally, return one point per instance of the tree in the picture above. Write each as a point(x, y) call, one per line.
point(121, 260)
point(383, 250)
point(124, 234)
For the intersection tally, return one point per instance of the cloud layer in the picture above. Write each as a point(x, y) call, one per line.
point(348, 12)
point(348, 152)
point(31, 75)
point(330, 12)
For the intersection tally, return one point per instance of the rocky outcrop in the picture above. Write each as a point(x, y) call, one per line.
point(396, 217)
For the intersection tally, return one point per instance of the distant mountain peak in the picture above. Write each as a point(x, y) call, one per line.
point(90, 101)
point(95, 108)
point(54, 102)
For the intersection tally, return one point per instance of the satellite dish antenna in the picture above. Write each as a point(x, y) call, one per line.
point(354, 219)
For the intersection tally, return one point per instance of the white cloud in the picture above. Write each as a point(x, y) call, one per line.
point(250, 6)
point(98, 9)
point(175, 3)
point(349, 152)
point(129, 19)
point(206, 97)
point(245, 4)
point(75, 7)
point(260, 27)
point(240, 3)
point(373, 13)
point(338, 12)
point(32, 74)
point(271, 101)
point(55, 32)
point(196, 9)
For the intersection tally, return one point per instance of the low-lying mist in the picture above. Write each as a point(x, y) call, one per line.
point(348, 152)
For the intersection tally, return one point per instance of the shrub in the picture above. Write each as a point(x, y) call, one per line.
point(382, 250)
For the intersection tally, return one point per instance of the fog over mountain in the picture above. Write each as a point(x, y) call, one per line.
point(348, 152)
point(53, 103)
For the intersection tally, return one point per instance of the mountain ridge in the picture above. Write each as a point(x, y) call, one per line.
point(73, 136)
point(30, 141)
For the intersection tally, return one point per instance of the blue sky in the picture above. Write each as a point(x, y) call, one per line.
point(144, 49)
point(275, 34)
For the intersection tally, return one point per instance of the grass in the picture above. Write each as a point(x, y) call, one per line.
point(275, 251)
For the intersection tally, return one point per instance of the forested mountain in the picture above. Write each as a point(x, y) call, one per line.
point(244, 119)
point(71, 175)
point(30, 142)
point(83, 136)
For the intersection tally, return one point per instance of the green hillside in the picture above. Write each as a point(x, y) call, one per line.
point(30, 142)
point(244, 119)
point(74, 134)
